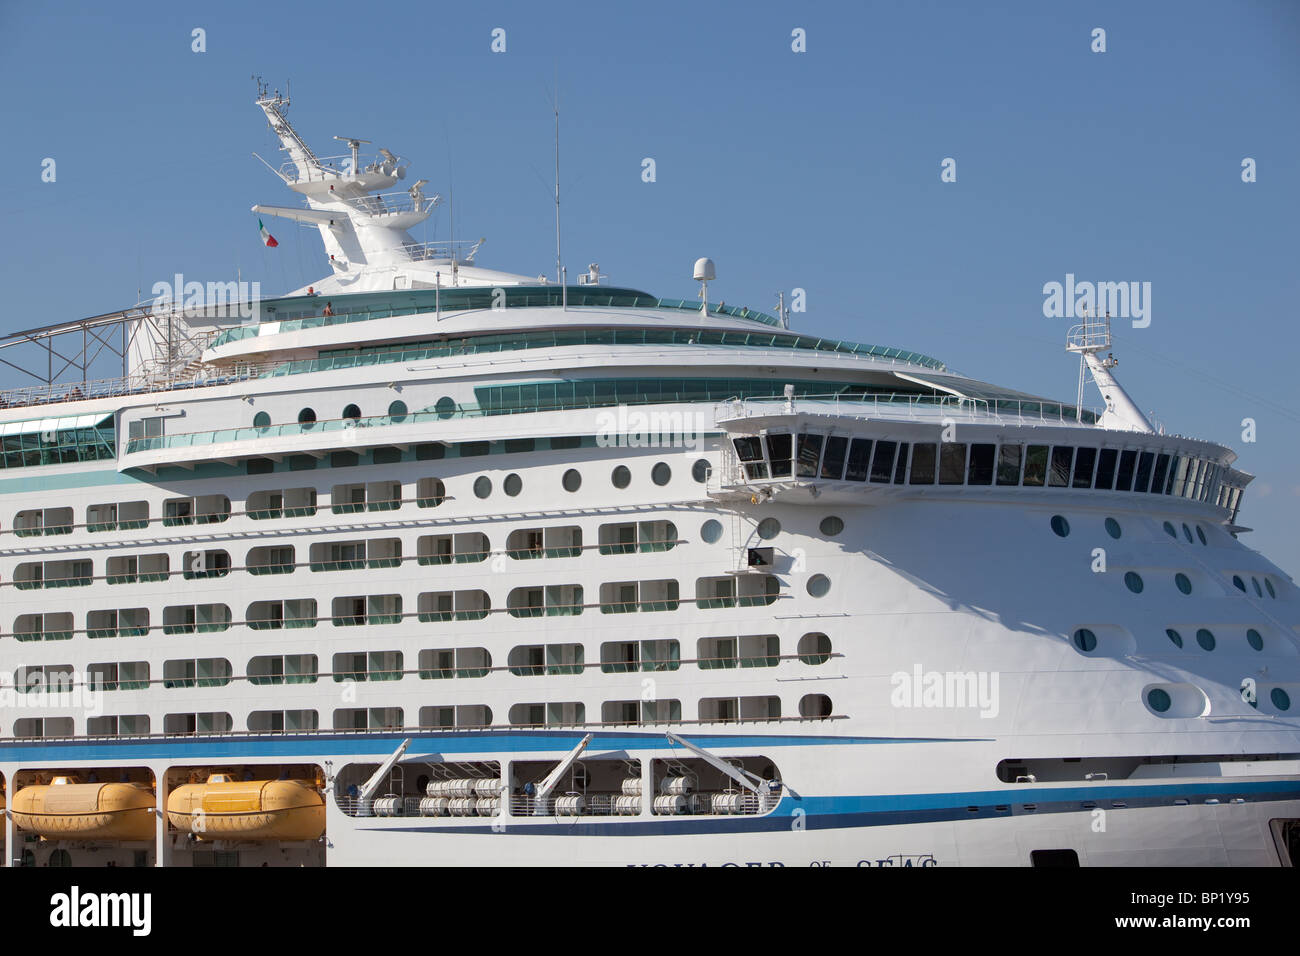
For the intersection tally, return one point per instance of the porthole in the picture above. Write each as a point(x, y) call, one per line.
point(1060, 526)
point(711, 531)
point(482, 486)
point(700, 470)
point(397, 412)
point(1174, 636)
point(1280, 698)
point(1268, 583)
point(307, 417)
point(1200, 533)
point(660, 474)
point(769, 528)
point(1205, 639)
point(352, 412)
point(1170, 530)
point(445, 407)
point(1184, 583)
point(262, 420)
point(1112, 528)
point(1133, 581)
point(831, 525)
point(1085, 640)
point(819, 585)
point(1258, 591)
point(1238, 583)
point(572, 480)
point(513, 484)
point(620, 476)
point(1255, 639)
point(1159, 700)
point(814, 648)
point(1187, 533)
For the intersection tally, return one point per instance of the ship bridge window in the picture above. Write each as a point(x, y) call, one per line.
point(279, 559)
point(201, 509)
point(117, 516)
point(536, 660)
point(733, 709)
point(53, 574)
point(859, 460)
point(201, 672)
point(37, 521)
point(1142, 481)
point(749, 650)
point(199, 723)
point(548, 715)
point(810, 453)
point(195, 618)
point(549, 601)
point(1062, 458)
point(354, 610)
point(1036, 457)
point(274, 615)
point(289, 503)
point(282, 721)
point(837, 450)
point(453, 606)
point(882, 464)
point(924, 459)
point(750, 452)
point(1127, 466)
point(952, 463)
point(641, 712)
point(129, 569)
point(465, 548)
point(744, 590)
point(283, 669)
point(56, 626)
point(780, 447)
point(448, 662)
point(1085, 461)
point(1107, 459)
point(1160, 476)
point(205, 564)
point(627, 596)
point(368, 718)
point(526, 543)
point(118, 622)
point(980, 469)
point(622, 657)
point(368, 666)
point(1009, 459)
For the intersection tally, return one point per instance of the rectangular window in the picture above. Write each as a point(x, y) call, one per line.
point(1062, 457)
point(1145, 461)
point(980, 471)
point(900, 464)
point(1161, 475)
point(778, 453)
point(923, 462)
point(1107, 458)
point(1083, 464)
point(810, 452)
point(1127, 465)
point(833, 462)
point(952, 463)
point(882, 466)
point(1036, 466)
point(859, 457)
point(1009, 464)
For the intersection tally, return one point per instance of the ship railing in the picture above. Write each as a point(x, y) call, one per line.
point(389, 204)
point(565, 805)
point(334, 167)
point(916, 407)
point(460, 250)
point(59, 393)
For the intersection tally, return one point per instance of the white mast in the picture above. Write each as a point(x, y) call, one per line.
point(1089, 339)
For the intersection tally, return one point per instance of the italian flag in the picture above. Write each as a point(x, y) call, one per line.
point(267, 238)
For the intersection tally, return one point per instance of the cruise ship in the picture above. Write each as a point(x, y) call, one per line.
point(432, 564)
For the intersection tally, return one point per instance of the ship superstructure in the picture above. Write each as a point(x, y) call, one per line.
point(429, 563)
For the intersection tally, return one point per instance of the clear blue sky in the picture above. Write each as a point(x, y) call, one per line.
point(817, 170)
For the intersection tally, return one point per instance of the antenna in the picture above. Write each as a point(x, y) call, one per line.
point(355, 145)
point(556, 103)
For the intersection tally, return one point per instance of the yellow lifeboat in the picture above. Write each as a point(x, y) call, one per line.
point(226, 809)
point(66, 810)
